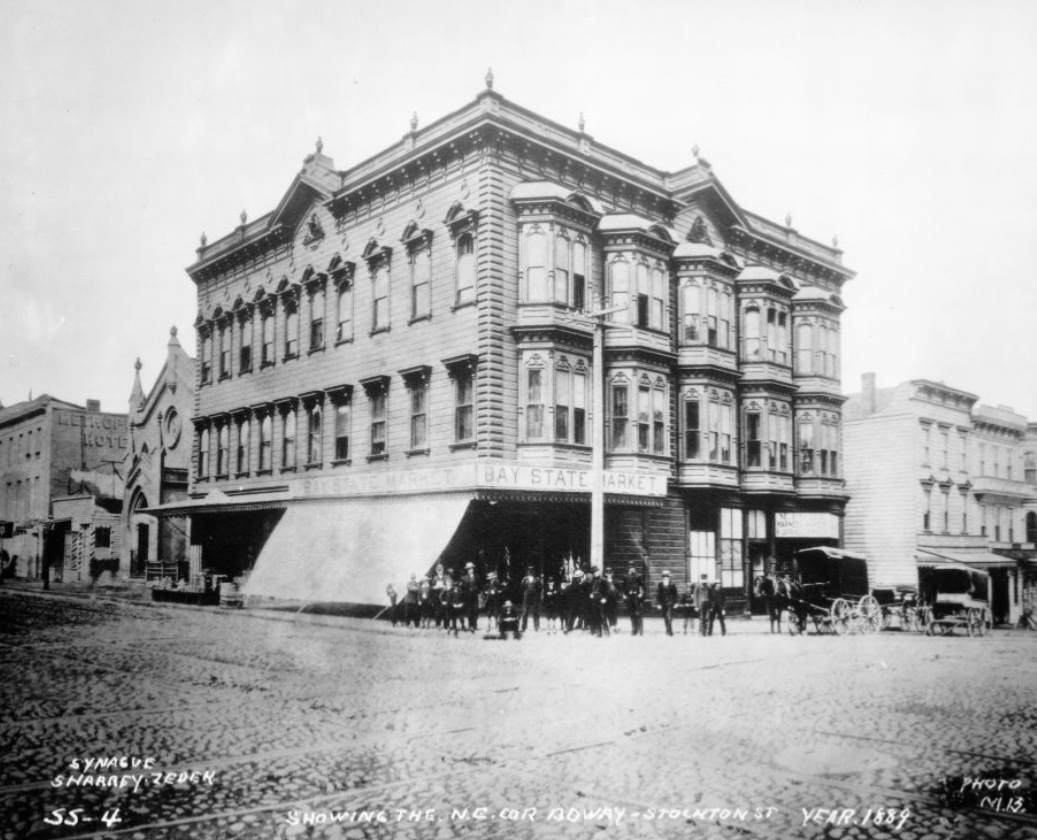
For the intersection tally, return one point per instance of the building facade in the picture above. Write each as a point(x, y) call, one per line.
point(51, 449)
point(396, 365)
point(157, 465)
point(935, 477)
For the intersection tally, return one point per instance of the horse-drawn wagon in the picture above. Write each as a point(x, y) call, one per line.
point(827, 586)
point(954, 597)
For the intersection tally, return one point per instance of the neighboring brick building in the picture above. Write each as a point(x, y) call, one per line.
point(934, 477)
point(47, 446)
point(157, 466)
point(394, 366)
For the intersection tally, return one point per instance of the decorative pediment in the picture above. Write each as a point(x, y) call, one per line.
point(375, 252)
point(459, 220)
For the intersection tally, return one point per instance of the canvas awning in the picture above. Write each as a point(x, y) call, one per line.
point(349, 550)
point(219, 502)
point(977, 559)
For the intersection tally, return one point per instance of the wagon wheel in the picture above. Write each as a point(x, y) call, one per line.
point(788, 622)
point(983, 622)
point(840, 614)
point(976, 621)
point(871, 618)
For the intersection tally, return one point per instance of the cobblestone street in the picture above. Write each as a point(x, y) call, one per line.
point(251, 724)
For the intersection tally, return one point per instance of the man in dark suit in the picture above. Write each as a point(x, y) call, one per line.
point(700, 599)
point(531, 599)
point(717, 608)
point(635, 597)
point(666, 598)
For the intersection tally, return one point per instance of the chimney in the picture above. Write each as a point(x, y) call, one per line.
point(93, 406)
point(868, 393)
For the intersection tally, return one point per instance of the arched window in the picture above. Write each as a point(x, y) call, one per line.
point(465, 269)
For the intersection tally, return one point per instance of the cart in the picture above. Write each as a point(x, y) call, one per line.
point(954, 597)
point(899, 608)
point(830, 588)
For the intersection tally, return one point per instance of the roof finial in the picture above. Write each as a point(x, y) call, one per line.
point(172, 331)
point(244, 217)
point(320, 145)
point(835, 241)
point(583, 122)
point(788, 220)
point(204, 239)
point(414, 121)
point(489, 79)
point(137, 365)
point(695, 151)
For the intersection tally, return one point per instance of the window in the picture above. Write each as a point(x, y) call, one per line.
point(288, 440)
point(245, 344)
point(927, 508)
point(778, 439)
point(620, 410)
point(752, 334)
point(203, 454)
point(418, 417)
point(291, 328)
point(314, 436)
point(658, 421)
point(1030, 470)
point(691, 301)
point(944, 448)
point(731, 568)
point(206, 357)
point(536, 265)
point(102, 537)
point(782, 351)
point(692, 429)
point(804, 349)
point(243, 445)
point(926, 447)
point(711, 319)
point(579, 300)
point(619, 290)
point(651, 297)
point(380, 298)
point(268, 337)
point(580, 405)
point(464, 427)
point(343, 423)
point(378, 415)
point(224, 350)
point(753, 442)
point(563, 400)
point(266, 440)
point(806, 446)
point(344, 310)
point(1031, 527)
point(421, 283)
point(702, 555)
point(561, 269)
point(317, 320)
point(833, 352)
point(644, 423)
point(465, 269)
point(222, 449)
point(772, 335)
point(534, 404)
point(945, 493)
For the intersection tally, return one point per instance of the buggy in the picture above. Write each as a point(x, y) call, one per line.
point(831, 589)
point(954, 597)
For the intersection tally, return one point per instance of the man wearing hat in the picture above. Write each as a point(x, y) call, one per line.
point(492, 596)
point(530, 599)
point(634, 590)
point(666, 598)
point(574, 601)
point(700, 597)
point(509, 621)
point(470, 588)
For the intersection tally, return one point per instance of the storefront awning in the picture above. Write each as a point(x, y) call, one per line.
point(219, 502)
point(348, 551)
point(977, 560)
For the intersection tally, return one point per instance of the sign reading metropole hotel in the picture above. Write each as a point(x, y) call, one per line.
point(485, 476)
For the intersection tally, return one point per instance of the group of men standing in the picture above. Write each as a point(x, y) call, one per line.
point(587, 601)
point(703, 601)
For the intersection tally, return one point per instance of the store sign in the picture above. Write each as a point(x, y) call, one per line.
point(569, 480)
point(387, 483)
point(806, 526)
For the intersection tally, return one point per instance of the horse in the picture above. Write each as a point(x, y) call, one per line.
point(778, 594)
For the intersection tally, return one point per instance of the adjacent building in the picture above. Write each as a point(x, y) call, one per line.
point(935, 477)
point(53, 450)
point(395, 365)
point(157, 464)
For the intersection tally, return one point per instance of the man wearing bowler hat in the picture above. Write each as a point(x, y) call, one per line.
point(666, 598)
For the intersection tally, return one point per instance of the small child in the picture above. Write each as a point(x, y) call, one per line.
point(509, 621)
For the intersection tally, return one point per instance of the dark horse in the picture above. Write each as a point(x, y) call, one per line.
point(781, 593)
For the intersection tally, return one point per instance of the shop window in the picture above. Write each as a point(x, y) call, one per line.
point(288, 440)
point(702, 555)
point(245, 344)
point(314, 436)
point(343, 425)
point(266, 443)
point(620, 417)
point(102, 537)
point(732, 574)
point(268, 337)
point(203, 454)
point(317, 320)
point(619, 291)
point(244, 427)
point(534, 403)
point(465, 249)
point(291, 329)
point(222, 450)
point(344, 310)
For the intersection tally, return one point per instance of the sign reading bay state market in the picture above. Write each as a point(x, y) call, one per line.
point(569, 480)
point(806, 525)
point(494, 475)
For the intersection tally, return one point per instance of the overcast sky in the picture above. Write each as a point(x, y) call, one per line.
point(907, 128)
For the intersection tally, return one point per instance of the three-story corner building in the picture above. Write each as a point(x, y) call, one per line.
point(936, 478)
point(396, 365)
